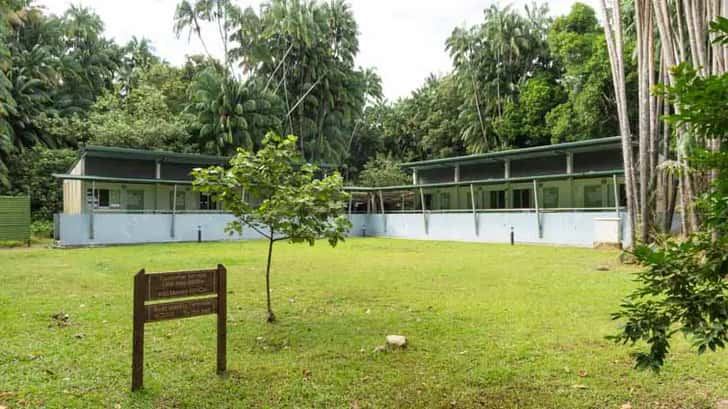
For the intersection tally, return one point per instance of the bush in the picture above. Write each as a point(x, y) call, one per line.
point(31, 172)
point(42, 229)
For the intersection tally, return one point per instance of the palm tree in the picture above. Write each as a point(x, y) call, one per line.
point(231, 114)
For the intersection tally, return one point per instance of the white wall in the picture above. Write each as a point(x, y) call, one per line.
point(557, 228)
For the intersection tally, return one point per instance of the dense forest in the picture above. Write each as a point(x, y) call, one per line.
point(520, 78)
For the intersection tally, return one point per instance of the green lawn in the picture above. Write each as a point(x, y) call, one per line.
point(489, 325)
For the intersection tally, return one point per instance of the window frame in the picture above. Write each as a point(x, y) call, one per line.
point(517, 196)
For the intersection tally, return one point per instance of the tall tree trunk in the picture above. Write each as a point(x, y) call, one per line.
point(613, 34)
point(643, 23)
point(668, 185)
point(271, 315)
point(670, 54)
point(477, 103)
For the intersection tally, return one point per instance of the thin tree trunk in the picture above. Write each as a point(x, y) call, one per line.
point(672, 200)
point(643, 22)
point(613, 34)
point(668, 185)
point(477, 103)
point(271, 315)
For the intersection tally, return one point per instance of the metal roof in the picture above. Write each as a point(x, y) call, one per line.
point(584, 146)
point(96, 151)
point(165, 156)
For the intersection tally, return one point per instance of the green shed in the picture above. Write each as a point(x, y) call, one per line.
point(15, 218)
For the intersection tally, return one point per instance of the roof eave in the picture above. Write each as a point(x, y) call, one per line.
point(514, 153)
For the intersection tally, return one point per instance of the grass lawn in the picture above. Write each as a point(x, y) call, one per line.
point(490, 326)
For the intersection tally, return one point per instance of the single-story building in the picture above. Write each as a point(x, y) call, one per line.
point(569, 193)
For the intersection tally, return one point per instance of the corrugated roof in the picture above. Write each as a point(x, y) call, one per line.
point(166, 156)
point(587, 145)
point(129, 153)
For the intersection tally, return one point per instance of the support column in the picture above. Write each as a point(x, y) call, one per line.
point(616, 207)
point(572, 199)
point(424, 210)
point(351, 198)
point(569, 163)
point(507, 169)
point(174, 211)
point(414, 176)
point(156, 197)
point(456, 176)
point(384, 216)
point(475, 211)
point(538, 214)
point(91, 227)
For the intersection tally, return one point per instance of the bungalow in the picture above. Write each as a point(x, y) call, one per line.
point(569, 193)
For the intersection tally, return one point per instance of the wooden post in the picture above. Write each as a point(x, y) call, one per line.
point(137, 357)
point(475, 211)
point(384, 216)
point(538, 215)
point(221, 319)
point(424, 210)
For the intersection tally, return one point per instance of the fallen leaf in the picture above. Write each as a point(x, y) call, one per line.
point(306, 373)
point(579, 386)
point(355, 404)
point(626, 406)
point(583, 373)
point(6, 394)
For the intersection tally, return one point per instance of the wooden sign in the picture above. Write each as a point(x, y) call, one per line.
point(180, 284)
point(210, 288)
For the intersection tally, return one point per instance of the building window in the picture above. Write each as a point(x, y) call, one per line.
point(181, 203)
point(444, 201)
point(498, 199)
point(593, 196)
point(103, 198)
point(206, 202)
point(521, 199)
point(551, 197)
point(134, 199)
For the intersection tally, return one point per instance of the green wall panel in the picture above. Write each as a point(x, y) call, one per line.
point(14, 218)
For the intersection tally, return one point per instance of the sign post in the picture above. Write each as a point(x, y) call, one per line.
point(210, 288)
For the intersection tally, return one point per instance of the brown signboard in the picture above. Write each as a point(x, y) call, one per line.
point(178, 284)
point(180, 309)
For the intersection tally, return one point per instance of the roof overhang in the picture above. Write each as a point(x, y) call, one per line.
point(92, 151)
point(589, 145)
point(65, 176)
point(560, 176)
